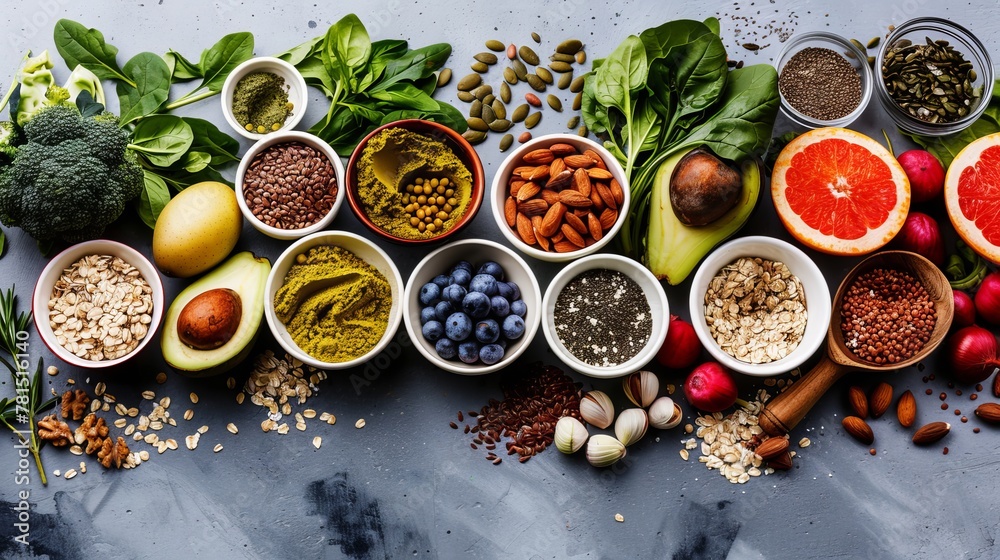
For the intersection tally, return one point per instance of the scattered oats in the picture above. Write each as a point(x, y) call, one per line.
point(83, 467)
point(770, 382)
point(309, 413)
point(684, 454)
point(57, 472)
point(619, 518)
point(156, 425)
point(133, 412)
point(100, 388)
point(191, 441)
point(106, 407)
point(143, 422)
point(360, 423)
point(52, 370)
point(171, 444)
point(331, 420)
point(109, 398)
point(267, 425)
point(71, 381)
point(300, 426)
point(232, 428)
point(161, 377)
point(202, 429)
point(317, 441)
point(165, 402)
point(283, 428)
point(148, 395)
point(95, 405)
point(217, 448)
point(188, 414)
point(171, 421)
point(70, 473)
point(129, 429)
point(121, 409)
point(151, 439)
point(194, 398)
point(161, 447)
point(120, 422)
point(239, 398)
point(231, 383)
point(299, 418)
point(144, 455)
point(137, 436)
point(804, 442)
point(324, 417)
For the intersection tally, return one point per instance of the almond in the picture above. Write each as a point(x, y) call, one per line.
point(532, 99)
point(539, 174)
point(569, 197)
point(594, 226)
point(538, 157)
point(552, 220)
point(524, 229)
point(515, 185)
point(521, 170)
point(989, 412)
point(556, 167)
point(510, 211)
point(605, 193)
point(931, 433)
point(543, 242)
point(550, 196)
point(772, 447)
point(608, 218)
point(562, 150)
point(781, 462)
point(576, 223)
point(596, 200)
point(572, 235)
point(858, 429)
point(906, 409)
point(581, 182)
point(557, 237)
point(564, 247)
point(599, 174)
point(560, 181)
point(536, 222)
point(527, 191)
point(533, 207)
point(579, 161)
point(598, 161)
point(859, 402)
point(881, 399)
point(617, 192)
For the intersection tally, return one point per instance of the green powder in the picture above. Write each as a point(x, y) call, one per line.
point(260, 102)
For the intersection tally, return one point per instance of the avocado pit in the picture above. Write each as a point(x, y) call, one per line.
point(210, 319)
point(703, 188)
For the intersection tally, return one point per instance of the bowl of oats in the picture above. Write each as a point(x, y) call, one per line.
point(97, 304)
point(760, 306)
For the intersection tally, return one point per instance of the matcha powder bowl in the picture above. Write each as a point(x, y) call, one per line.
point(415, 182)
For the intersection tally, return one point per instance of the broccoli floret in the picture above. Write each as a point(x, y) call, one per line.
point(71, 178)
point(9, 139)
point(56, 95)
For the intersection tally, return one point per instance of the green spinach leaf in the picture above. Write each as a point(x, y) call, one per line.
point(86, 47)
point(221, 58)
point(154, 197)
point(162, 139)
point(181, 69)
point(151, 77)
point(194, 161)
point(209, 139)
point(414, 65)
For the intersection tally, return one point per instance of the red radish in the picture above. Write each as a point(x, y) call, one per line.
point(681, 348)
point(920, 234)
point(988, 298)
point(925, 173)
point(972, 354)
point(709, 387)
point(965, 310)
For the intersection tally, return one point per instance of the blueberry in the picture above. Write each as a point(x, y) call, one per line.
point(487, 331)
point(503, 289)
point(513, 327)
point(446, 348)
point(443, 309)
point(499, 306)
point(468, 352)
point(491, 354)
point(432, 330)
point(429, 292)
point(427, 314)
point(458, 327)
point(454, 293)
point(442, 281)
point(476, 304)
point(461, 277)
point(519, 308)
point(515, 292)
point(493, 269)
point(463, 265)
point(483, 283)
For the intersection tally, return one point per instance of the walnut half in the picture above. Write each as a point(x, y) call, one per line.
point(93, 430)
point(74, 404)
point(54, 431)
point(113, 452)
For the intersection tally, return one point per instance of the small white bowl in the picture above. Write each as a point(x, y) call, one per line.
point(281, 138)
point(366, 251)
point(818, 303)
point(499, 194)
point(476, 251)
point(655, 296)
point(62, 261)
point(298, 95)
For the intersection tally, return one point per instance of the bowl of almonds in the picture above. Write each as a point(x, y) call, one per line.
point(560, 197)
point(97, 304)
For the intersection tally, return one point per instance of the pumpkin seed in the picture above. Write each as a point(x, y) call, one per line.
point(930, 81)
point(488, 115)
point(444, 76)
point(560, 67)
point(469, 82)
point(582, 131)
point(858, 44)
point(476, 123)
point(495, 46)
point(535, 37)
point(466, 96)
point(544, 74)
point(474, 136)
point(565, 80)
point(506, 142)
point(509, 76)
point(873, 42)
point(500, 125)
point(578, 101)
point(536, 83)
point(562, 57)
point(573, 122)
point(528, 55)
point(581, 57)
point(505, 92)
point(520, 112)
point(486, 58)
point(498, 109)
point(480, 67)
point(554, 102)
point(533, 119)
point(520, 70)
point(871, 61)
point(482, 91)
point(476, 109)
point(577, 85)
point(489, 99)
point(569, 46)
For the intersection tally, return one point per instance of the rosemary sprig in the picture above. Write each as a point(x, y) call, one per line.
point(27, 402)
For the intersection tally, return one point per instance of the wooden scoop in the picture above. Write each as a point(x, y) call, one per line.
point(787, 409)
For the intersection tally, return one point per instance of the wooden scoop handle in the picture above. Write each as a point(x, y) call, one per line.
point(787, 409)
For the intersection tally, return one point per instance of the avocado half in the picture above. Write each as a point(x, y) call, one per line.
point(673, 249)
point(243, 273)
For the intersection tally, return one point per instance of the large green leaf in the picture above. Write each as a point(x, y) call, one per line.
point(162, 139)
point(209, 139)
point(181, 69)
point(151, 77)
point(86, 47)
point(414, 65)
point(222, 57)
point(154, 197)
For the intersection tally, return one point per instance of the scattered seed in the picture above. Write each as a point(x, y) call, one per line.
point(685, 454)
point(505, 94)
point(360, 423)
point(582, 131)
point(576, 86)
point(76, 450)
point(565, 80)
point(148, 395)
point(331, 420)
point(191, 441)
point(466, 96)
point(619, 518)
point(805, 442)
point(872, 451)
point(544, 74)
point(532, 120)
point(232, 428)
point(240, 397)
point(569, 46)
point(486, 58)
point(469, 82)
point(578, 101)
point(536, 83)
point(100, 388)
point(71, 381)
point(509, 76)
point(194, 398)
point(524, 137)
point(188, 414)
point(308, 413)
point(560, 67)
point(83, 467)
point(535, 37)
point(144, 455)
point(520, 112)
point(217, 448)
point(554, 102)
point(317, 442)
point(520, 70)
point(573, 122)
point(52, 370)
point(231, 383)
point(506, 142)
point(495, 46)
point(56, 472)
point(70, 473)
point(480, 67)
point(444, 76)
point(528, 55)
point(581, 57)
point(453, 425)
point(120, 423)
point(512, 52)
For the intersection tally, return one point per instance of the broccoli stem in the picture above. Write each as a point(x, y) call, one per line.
point(189, 98)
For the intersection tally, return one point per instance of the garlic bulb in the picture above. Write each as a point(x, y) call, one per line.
point(597, 409)
point(570, 435)
point(664, 413)
point(604, 451)
point(631, 426)
point(641, 388)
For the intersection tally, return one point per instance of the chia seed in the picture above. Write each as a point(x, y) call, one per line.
point(820, 84)
point(603, 318)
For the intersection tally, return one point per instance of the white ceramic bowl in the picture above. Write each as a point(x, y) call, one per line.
point(298, 95)
point(498, 194)
point(62, 261)
point(818, 303)
point(281, 138)
point(476, 251)
point(365, 250)
point(655, 296)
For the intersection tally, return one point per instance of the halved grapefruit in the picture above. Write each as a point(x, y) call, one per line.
point(839, 191)
point(972, 196)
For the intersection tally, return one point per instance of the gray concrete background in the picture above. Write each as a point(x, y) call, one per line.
point(407, 485)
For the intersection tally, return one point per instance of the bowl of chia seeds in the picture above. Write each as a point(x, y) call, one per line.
point(823, 80)
point(605, 315)
point(933, 77)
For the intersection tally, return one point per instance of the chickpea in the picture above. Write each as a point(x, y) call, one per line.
point(449, 192)
point(421, 214)
point(447, 208)
point(431, 227)
point(414, 221)
point(438, 222)
point(409, 188)
point(421, 227)
point(442, 215)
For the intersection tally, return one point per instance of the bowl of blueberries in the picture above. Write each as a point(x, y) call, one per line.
point(472, 307)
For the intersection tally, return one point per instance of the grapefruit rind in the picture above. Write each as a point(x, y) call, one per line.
point(872, 225)
point(972, 196)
